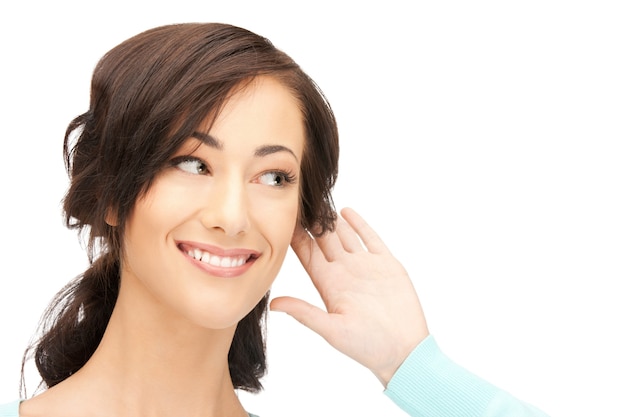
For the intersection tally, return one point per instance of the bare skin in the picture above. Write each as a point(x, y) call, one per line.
point(201, 248)
point(125, 362)
point(373, 315)
point(373, 312)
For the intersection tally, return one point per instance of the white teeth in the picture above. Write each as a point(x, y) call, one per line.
point(223, 262)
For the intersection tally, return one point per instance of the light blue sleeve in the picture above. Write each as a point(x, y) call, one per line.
point(429, 384)
point(10, 409)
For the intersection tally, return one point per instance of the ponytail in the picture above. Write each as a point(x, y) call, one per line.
point(72, 326)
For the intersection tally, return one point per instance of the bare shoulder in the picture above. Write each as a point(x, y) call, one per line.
point(34, 407)
point(49, 403)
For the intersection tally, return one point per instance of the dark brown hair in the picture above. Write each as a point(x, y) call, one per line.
point(148, 95)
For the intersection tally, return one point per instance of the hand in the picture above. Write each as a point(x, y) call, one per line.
point(373, 313)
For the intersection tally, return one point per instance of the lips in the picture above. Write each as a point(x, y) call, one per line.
point(214, 258)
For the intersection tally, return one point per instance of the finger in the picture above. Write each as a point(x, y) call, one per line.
point(309, 315)
point(307, 248)
point(303, 245)
point(348, 237)
point(331, 245)
point(310, 255)
point(370, 238)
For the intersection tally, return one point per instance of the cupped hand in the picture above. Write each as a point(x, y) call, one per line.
point(373, 313)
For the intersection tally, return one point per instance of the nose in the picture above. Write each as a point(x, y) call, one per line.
point(226, 207)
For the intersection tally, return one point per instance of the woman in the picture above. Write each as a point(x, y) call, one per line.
point(204, 154)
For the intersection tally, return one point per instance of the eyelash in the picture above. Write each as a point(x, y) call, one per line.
point(175, 162)
point(287, 176)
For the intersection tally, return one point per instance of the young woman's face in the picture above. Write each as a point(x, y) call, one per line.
point(207, 240)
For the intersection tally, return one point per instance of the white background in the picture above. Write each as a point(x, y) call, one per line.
point(484, 140)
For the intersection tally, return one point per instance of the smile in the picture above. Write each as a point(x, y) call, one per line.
point(219, 261)
point(216, 260)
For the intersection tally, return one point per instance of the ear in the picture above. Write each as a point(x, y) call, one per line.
point(111, 217)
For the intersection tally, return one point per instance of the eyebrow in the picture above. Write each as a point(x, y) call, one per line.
point(208, 140)
point(270, 149)
point(261, 151)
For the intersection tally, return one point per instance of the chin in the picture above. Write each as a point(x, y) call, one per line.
point(217, 320)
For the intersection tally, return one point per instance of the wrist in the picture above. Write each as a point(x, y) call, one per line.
point(385, 373)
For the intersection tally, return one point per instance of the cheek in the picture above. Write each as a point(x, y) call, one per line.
point(141, 239)
point(148, 225)
point(277, 221)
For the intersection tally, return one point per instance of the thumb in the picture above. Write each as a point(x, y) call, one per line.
point(309, 315)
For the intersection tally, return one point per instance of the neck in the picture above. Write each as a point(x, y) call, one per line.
point(152, 362)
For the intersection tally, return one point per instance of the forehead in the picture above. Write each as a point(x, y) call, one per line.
point(265, 92)
point(261, 111)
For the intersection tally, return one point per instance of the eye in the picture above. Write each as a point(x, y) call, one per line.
point(190, 165)
point(276, 178)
